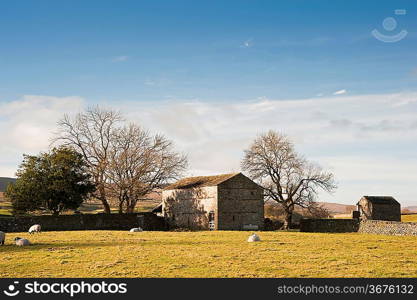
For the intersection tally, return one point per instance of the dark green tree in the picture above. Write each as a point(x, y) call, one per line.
point(51, 182)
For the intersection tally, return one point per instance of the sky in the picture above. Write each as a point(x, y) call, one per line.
point(338, 77)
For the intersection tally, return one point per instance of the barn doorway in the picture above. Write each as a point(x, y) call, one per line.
point(211, 218)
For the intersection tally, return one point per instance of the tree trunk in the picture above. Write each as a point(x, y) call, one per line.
point(130, 207)
point(122, 200)
point(106, 206)
point(287, 220)
point(102, 197)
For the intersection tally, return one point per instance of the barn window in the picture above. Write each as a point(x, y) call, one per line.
point(211, 216)
point(212, 224)
point(233, 217)
point(252, 193)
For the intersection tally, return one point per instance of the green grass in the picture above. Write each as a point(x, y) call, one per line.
point(208, 254)
point(5, 208)
point(94, 207)
point(6, 212)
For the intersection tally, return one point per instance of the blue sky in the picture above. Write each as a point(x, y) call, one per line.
point(224, 51)
point(212, 75)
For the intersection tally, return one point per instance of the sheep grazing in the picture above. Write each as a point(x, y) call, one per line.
point(254, 238)
point(136, 229)
point(35, 228)
point(2, 237)
point(21, 242)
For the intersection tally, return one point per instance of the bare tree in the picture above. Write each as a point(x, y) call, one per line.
point(317, 211)
point(139, 163)
point(286, 177)
point(90, 133)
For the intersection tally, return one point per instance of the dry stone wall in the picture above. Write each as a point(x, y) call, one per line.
point(387, 227)
point(329, 225)
point(148, 221)
point(354, 225)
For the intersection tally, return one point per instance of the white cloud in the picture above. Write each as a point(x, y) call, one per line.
point(120, 58)
point(340, 92)
point(26, 126)
point(247, 44)
point(373, 175)
point(356, 129)
point(149, 82)
point(368, 141)
point(157, 82)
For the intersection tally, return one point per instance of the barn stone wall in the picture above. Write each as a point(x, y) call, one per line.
point(363, 226)
point(148, 221)
point(237, 203)
point(240, 204)
point(386, 212)
point(189, 208)
point(379, 211)
point(387, 227)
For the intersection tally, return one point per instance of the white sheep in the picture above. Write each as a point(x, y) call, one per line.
point(254, 238)
point(21, 242)
point(35, 228)
point(138, 229)
point(2, 237)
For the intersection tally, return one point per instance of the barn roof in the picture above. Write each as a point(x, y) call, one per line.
point(381, 200)
point(157, 209)
point(200, 181)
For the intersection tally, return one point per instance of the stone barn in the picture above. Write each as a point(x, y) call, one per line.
point(221, 202)
point(384, 208)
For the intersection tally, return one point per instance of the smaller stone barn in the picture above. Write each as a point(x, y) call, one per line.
point(221, 202)
point(384, 208)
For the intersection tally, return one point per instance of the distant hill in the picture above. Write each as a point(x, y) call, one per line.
point(334, 208)
point(4, 181)
point(337, 208)
point(412, 209)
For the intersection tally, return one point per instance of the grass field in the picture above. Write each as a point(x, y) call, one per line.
point(92, 207)
point(409, 218)
point(208, 254)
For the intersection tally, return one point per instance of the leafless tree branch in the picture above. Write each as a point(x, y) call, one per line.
point(286, 176)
